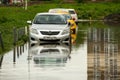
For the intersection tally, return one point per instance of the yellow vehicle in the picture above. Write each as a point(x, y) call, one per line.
point(69, 19)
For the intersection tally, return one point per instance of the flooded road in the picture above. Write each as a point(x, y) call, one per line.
point(94, 55)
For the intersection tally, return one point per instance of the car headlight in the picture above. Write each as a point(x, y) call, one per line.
point(34, 31)
point(66, 31)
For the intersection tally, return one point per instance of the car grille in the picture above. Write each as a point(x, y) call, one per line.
point(49, 32)
point(51, 41)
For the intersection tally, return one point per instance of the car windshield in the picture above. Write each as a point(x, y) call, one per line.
point(49, 19)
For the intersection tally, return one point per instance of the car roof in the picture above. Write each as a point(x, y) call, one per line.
point(62, 9)
point(70, 9)
point(56, 10)
point(59, 11)
point(46, 13)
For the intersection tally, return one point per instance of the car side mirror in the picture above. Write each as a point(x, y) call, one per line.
point(29, 22)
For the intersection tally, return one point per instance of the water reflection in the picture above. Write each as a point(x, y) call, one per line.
point(49, 55)
point(103, 54)
point(95, 56)
point(73, 38)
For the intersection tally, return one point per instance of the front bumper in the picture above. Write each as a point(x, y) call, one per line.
point(35, 37)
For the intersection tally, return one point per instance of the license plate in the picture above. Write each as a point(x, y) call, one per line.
point(49, 38)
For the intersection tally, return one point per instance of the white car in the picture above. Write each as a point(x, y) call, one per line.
point(72, 12)
point(49, 27)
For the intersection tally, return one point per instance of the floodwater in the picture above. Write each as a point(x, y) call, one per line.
point(94, 55)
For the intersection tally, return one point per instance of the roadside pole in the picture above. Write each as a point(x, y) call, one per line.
point(26, 4)
point(1, 41)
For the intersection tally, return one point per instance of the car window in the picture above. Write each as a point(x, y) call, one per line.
point(67, 17)
point(49, 19)
point(71, 12)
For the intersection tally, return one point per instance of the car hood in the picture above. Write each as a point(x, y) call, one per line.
point(49, 26)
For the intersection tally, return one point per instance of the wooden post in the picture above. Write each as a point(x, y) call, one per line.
point(26, 30)
point(14, 55)
point(17, 51)
point(15, 36)
point(1, 42)
point(20, 50)
point(23, 48)
point(26, 4)
point(29, 36)
point(1, 59)
point(14, 43)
